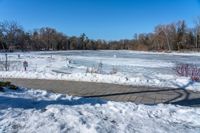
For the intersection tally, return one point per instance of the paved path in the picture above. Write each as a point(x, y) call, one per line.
point(144, 95)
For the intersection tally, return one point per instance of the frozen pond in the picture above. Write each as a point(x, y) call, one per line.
point(129, 62)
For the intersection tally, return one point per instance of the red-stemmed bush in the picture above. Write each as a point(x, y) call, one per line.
point(188, 70)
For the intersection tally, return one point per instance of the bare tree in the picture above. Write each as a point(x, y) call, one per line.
point(161, 31)
point(197, 30)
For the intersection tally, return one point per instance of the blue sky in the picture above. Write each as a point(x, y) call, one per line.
point(99, 19)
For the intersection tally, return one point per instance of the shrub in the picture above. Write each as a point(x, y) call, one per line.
point(13, 87)
point(114, 70)
point(4, 84)
point(1, 89)
point(8, 85)
point(91, 70)
point(98, 69)
point(188, 70)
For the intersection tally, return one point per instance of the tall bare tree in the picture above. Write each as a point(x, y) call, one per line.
point(197, 31)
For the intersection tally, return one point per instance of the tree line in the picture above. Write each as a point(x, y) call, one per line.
point(175, 36)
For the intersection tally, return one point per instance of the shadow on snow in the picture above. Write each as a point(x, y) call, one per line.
point(10, 102)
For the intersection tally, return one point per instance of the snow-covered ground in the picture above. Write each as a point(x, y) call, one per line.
point(133, 68)
point(36, 111)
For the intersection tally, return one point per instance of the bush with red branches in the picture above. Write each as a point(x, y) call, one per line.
point(188, 70)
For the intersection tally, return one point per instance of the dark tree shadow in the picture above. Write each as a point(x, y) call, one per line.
point(181, 97)
point(186, 101)
point(185, 95)
point(7, 102)
point(132, 92)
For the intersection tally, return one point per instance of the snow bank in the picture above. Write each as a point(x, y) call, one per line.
point(40, 111)
point(173, 81)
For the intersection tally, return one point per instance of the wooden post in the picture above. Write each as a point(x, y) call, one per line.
point(6, 64)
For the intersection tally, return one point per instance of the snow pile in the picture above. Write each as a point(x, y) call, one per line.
point(40, 111)
point(132, 68)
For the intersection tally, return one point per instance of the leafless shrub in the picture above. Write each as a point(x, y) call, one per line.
point(11, 65)
point(17, 66)
point(87, 70)
point(2, 67)
point(91, 70)
point(95, 69)
point(188, 70)
point(114, 70)
point(100, 68)
point(68, 62)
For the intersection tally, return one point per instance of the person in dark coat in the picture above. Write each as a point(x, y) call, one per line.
point(25, 64)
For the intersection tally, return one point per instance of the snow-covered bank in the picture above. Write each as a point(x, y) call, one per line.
point(133, 68)
point(39, 111)
point(173, 82)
